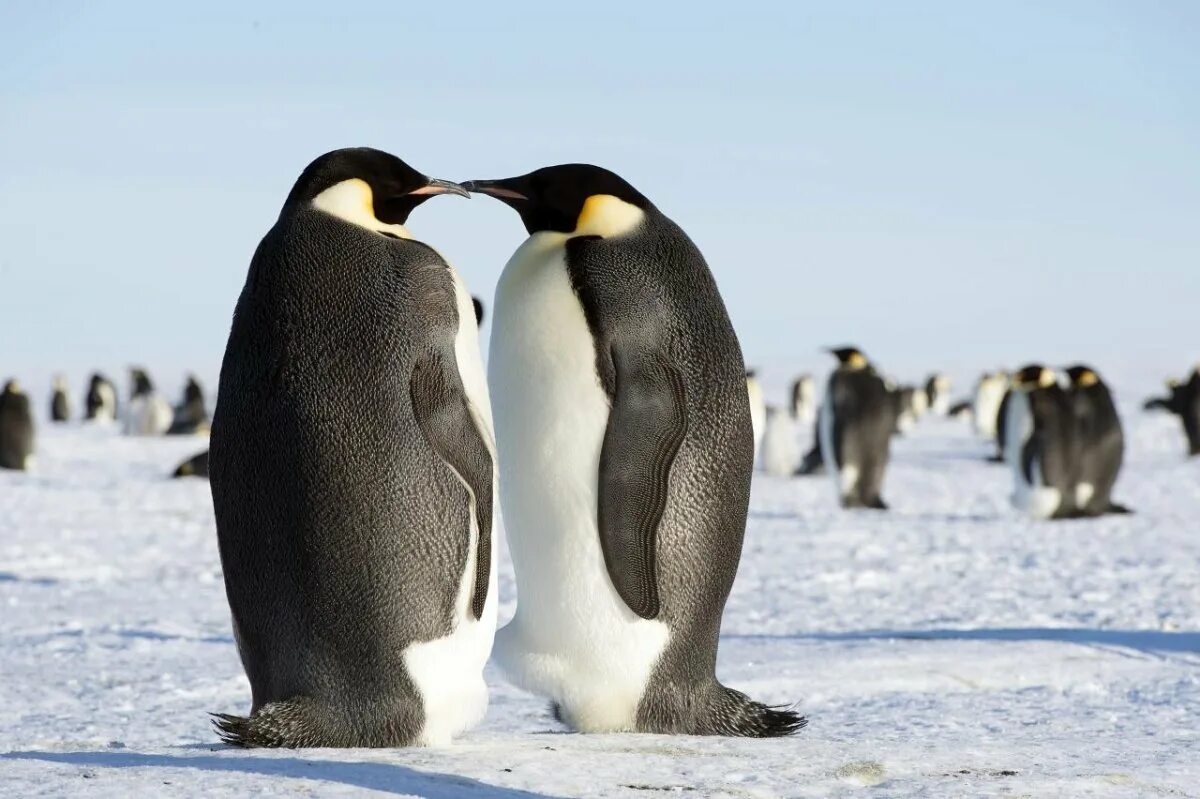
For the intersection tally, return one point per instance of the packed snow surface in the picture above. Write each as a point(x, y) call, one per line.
point(947, 647)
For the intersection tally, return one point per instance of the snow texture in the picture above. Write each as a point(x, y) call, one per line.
point(945, 648)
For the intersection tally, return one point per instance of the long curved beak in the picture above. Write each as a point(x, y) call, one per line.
point(439, 186)
point(493, 188)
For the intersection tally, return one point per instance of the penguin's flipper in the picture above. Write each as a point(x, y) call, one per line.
point(646, 428)
point(441, 409)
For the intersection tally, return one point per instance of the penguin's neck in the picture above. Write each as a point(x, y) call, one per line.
point(353, 201)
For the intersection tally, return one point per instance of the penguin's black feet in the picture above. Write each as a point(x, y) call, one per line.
point(875, 503)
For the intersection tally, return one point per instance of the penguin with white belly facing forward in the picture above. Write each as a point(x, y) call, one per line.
point(626, 450)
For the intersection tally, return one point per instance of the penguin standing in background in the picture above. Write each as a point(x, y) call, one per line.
point(813, 461)
point(1172, 403)
point(190, 415)
point(195, 466)
point(477, 304)
point(780, 451)
point(149, 413)
point(1042, 445)
point(937, 393)
point(758, 409)
point(858, 417)
point(1001, 438)
point(910, 405)
point(1190, 412)
point(60, 402)
point(1101, 443)
point(626, 452)
point(101, 402)
point(16, 428)
point(352, 471)
point(804, 399)
point(989, 393)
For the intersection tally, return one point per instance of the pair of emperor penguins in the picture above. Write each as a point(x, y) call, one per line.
point(1064, 444)
point(626, 446)
point(855, 426)
point(352, 472)
point(17, 430)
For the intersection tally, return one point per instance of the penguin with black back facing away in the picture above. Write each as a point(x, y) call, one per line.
point(60, 401)
point(804, 399)
point(1190, 411)
point(100, 405)
point(937, 393)
point(813, 462)
point(1101, 442)
point(626, 451)
point(351, 465)
point(191, 414)
point(17, 431)
point(1173, 402)
point(1001, 439)
point(149, 413)
point(1042, 446)
point(195, 466)
point(858, 418)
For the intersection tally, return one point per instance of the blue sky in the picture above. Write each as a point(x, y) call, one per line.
point(943, 183)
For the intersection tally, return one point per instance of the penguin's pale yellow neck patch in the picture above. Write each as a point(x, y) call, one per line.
point(1087, 379)
point(856, 361)
point(1046, 378)
point(354, 202)
point(607, 216)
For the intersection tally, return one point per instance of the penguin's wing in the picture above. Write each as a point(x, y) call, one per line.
point(646, 428)
point(444, 416)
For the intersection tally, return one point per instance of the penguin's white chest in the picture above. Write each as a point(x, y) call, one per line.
point(1032, 497)
point(573, 638)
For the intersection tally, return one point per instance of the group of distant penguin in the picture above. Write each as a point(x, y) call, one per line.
point(147, 414)
point(1059, 433)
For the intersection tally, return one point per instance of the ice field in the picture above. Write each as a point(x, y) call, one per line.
point(946, 648)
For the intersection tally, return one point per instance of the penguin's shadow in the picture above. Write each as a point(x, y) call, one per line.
point(383, 777)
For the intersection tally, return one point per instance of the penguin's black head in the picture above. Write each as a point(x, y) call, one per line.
point(369, 182)
point(850, 357)
point(478, 303)
point(1082, 376)
point(569, 198)
point(1034, 376)
point(141, 382)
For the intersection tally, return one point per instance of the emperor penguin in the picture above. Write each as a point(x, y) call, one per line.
point(1001, 437)
point(17, 430)
point(149, 413)
point(813, 462)
point(101, 402)
point(758, 409)
point(858, 417)
point(60, 401)
point(1189, 404)
point(195, 466)
point(477, 305)
point(804, 399)
point(352, 472)
point(626, 450)
point(937, 393)
point(1173, 402)
point(1041, 447)
point(911, 405)
point(989, 393)
point(1101, 442)
point(780, 450)
point(190, 416)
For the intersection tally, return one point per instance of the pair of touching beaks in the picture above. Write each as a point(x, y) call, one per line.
point(494, 188)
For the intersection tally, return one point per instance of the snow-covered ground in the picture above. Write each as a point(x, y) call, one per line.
point(946, 648)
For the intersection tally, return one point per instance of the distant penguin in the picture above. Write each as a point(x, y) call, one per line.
point(988, 395)
point(909, 407)
point(964, 409)
point(758, 409)
point(352, 470)
point(101, 401)
point(626, 451)
point(1042, 446)
point(1173, 402)
point(780, 450)
point(60, 402)
point(16, 428)
point(190, 415)
point(1189, 403)
point(149, 413)
point(1001, 437)
point(1101, 443)
point(195, 466)
point(804, 399)
point(478, 306)
point(937, 393)
point(858, 417)
point(813, 462)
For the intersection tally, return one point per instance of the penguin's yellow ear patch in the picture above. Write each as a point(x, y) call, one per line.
point(1087, 378)
point(353, 201)
point(1046, 378)
point(856, 360)
point(605, 215)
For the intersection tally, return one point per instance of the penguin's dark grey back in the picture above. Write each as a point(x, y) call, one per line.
point(335, 517)
point(16, 429)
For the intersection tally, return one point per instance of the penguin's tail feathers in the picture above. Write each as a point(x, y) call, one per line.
point(732, 713)
point(291, 724)
point(1118, 508)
